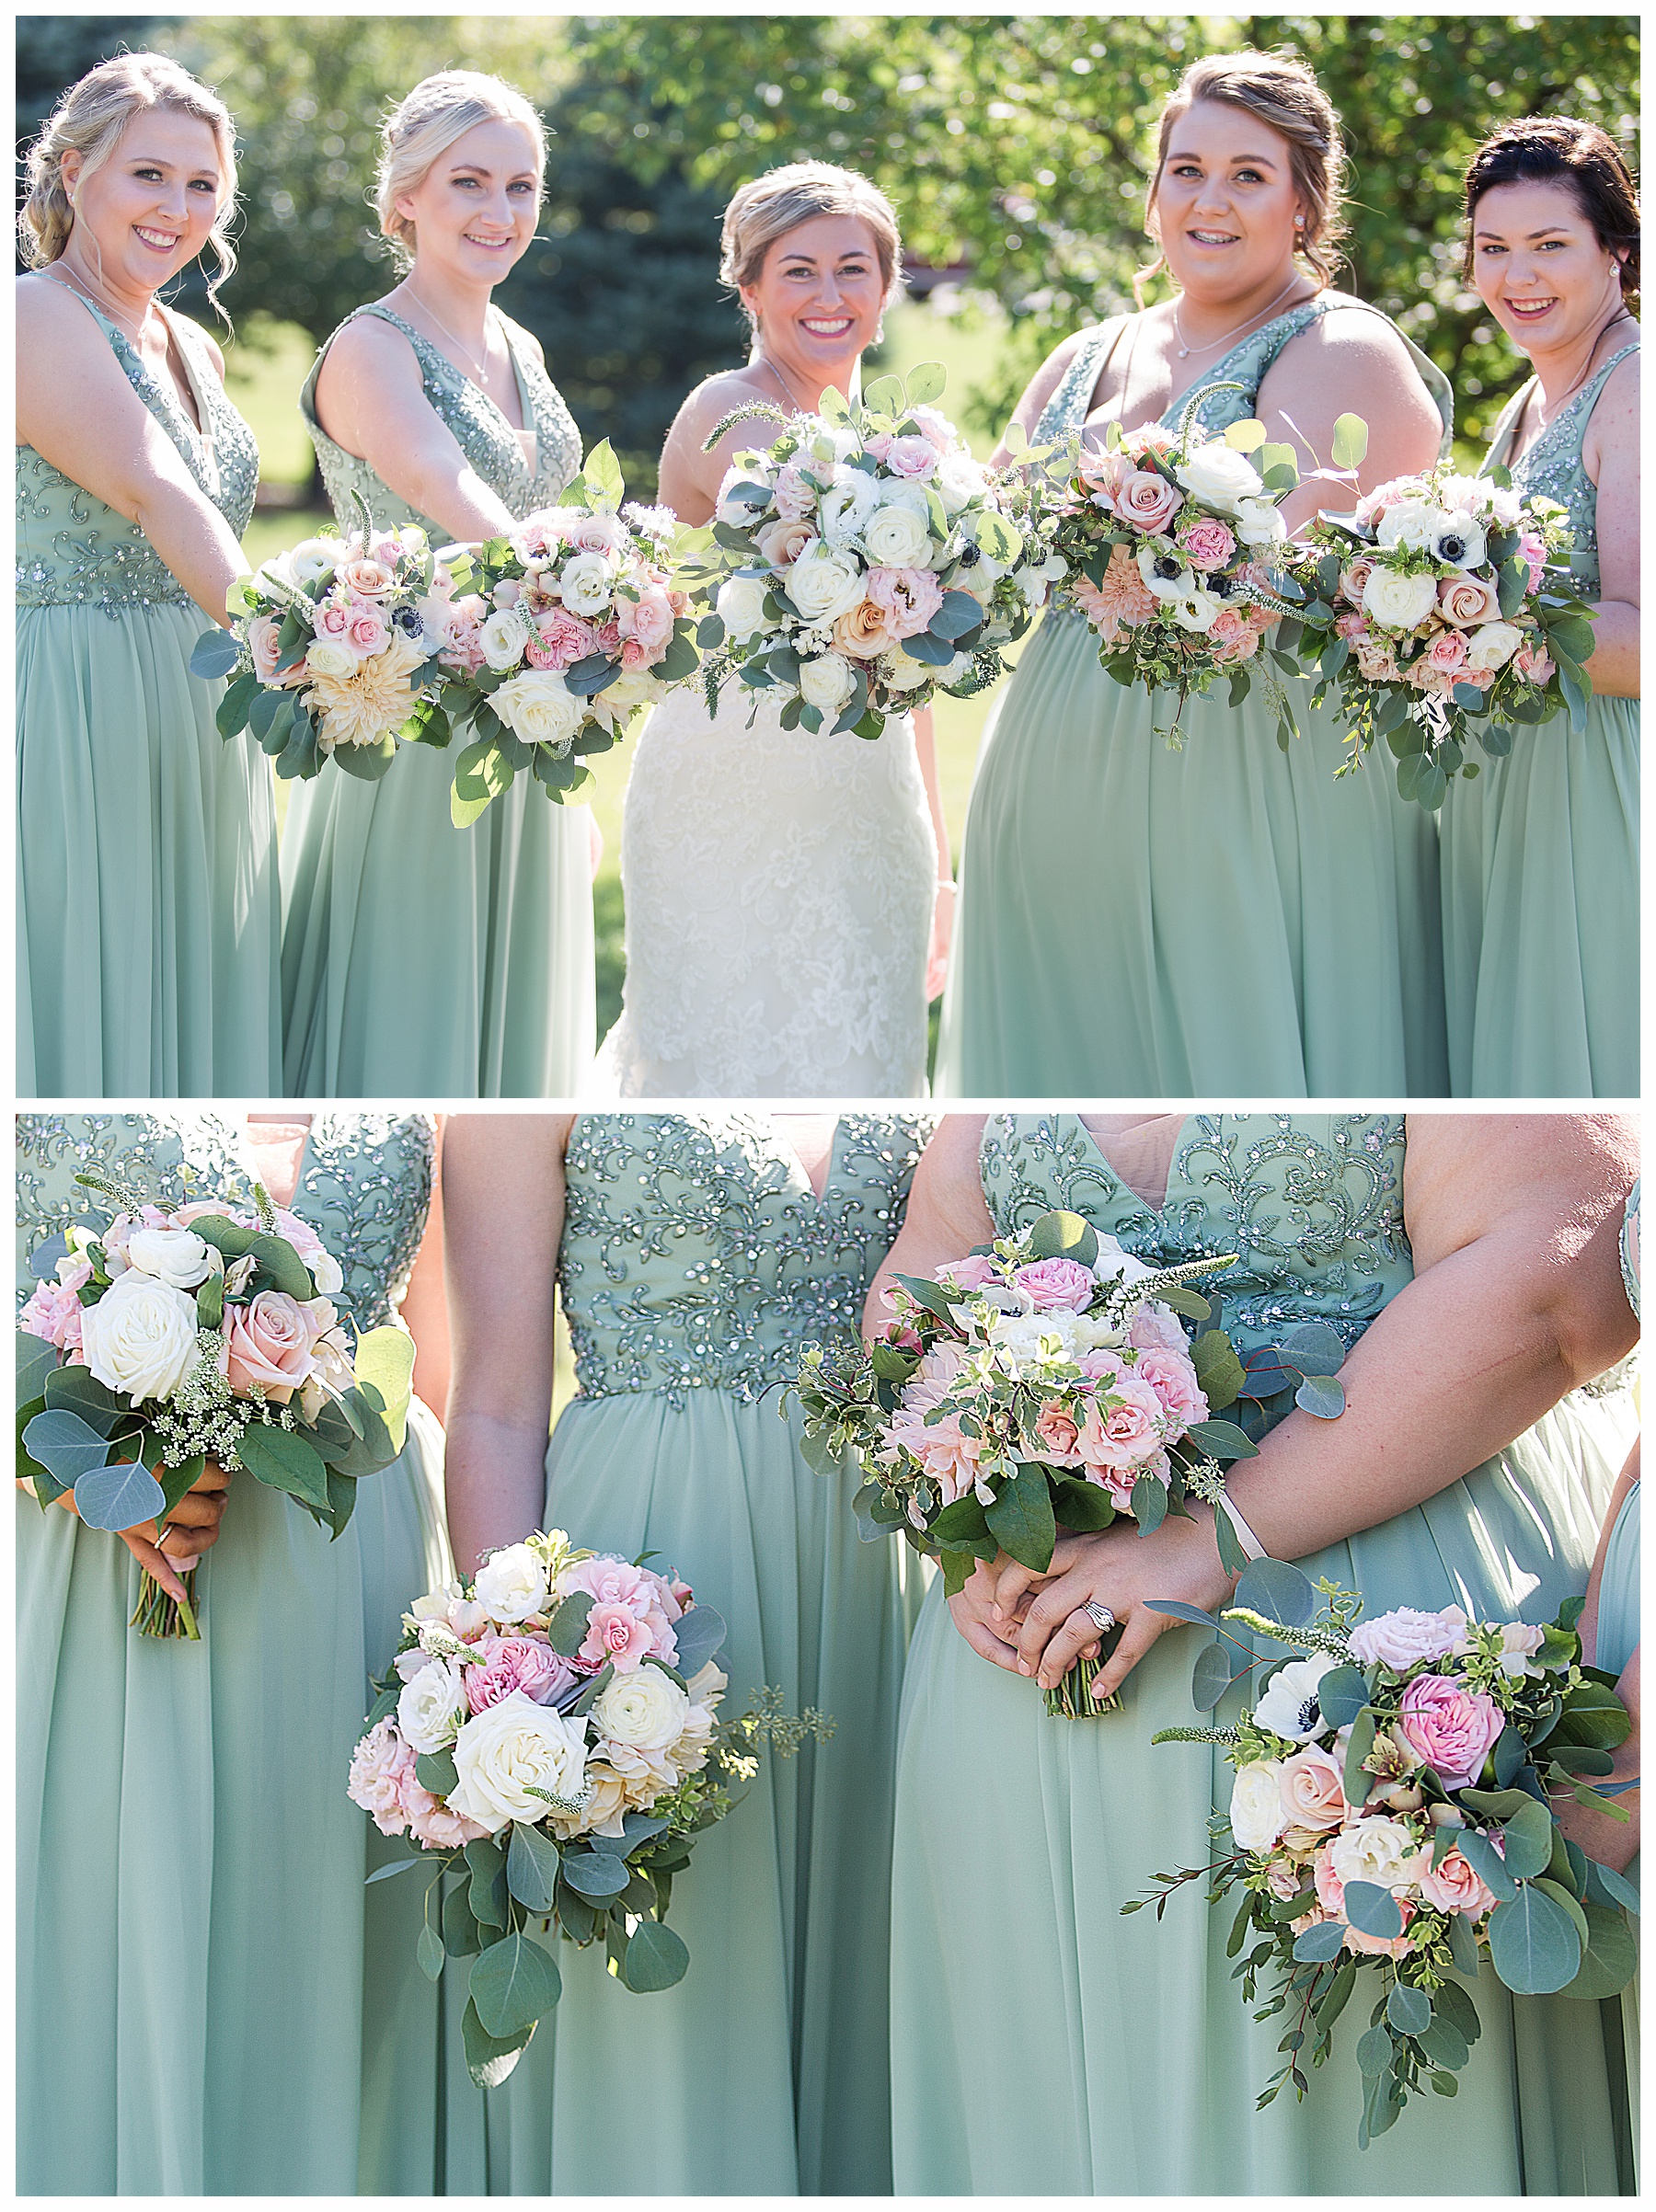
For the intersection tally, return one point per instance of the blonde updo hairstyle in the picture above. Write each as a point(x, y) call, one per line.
point(1284, 95)
point(420, 129)
point(89, 121)
point(772, 205)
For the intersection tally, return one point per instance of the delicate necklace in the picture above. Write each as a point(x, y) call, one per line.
point(479, 369)
point(1185, 350)
point(80, 284)
point(788, 391)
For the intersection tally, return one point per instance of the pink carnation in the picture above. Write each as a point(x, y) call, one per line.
point(511, 1662)
point(632, 1613)
point(378, 1767)
point(1056, 1286)
point(1404, 1637)
point(907, 596)
point(1156, 1327)
point(1448, 1727)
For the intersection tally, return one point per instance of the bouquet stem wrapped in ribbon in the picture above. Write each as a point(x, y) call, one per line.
point(1393, 1819)
point(165, 1338)
point(548, 1736)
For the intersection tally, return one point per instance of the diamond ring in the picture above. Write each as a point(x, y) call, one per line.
point(1102, 1618)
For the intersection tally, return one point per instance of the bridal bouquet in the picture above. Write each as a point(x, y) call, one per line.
point(1443, 606)
point(550, 1733)
point(561, 633)
point(330, 647)
point(165, 1338)
point(865, 561)
point(1042, 1382)
point(1392, 1815)
point(1173, 542)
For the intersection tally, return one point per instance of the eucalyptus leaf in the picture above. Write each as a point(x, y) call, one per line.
point(488, 2059)
point(119, 1497)
point(1021, 1518)
point(700, 1635)
point(1279, 1591)
point(1534, 1945)
point(1409, 2009)
point(1373, 1910)
point(595, 1874)
point(655, 1958)
point(1611, 1957)
point(514, 1983)
point(429, 1952)
point(68, 1447)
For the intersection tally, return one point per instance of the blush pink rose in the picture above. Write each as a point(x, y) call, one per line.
point(1532, 663)
point(1533, 550)
point(971, 1273)
point(431, 1821)
point(608, 637)
point(378, 1767)
point(907, 596)
point(1466, 601)
point(367, 633)
point(620, 1593)
point(558, 640)
point(783, 541)
point(618, 1636)
point(1350, 625)
point(267, 1345)
point(1056, 1286)
point(793, 495)
point(1330, 1889)
point(1208, 544)
point(1311, 1791)
point(1147, 500)
point(369, 579)
point(1057, 1431)
point(1449, 1728)
point(1173, 1378)
point(1353, 579)
point(332, 620)
point(263, 634)
point(1121, 1434)
point(512, 1663)
point(648, 621)
point(1452, 1886)
point(596, 534)
point(915, 458)
point(1447, 653)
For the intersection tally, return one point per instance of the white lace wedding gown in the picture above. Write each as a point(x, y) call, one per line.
point(778, 896)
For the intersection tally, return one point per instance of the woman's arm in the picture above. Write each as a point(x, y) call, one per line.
point(503, 1204)
point(1348, 362)
point(371, 400)
point(946, 1214)
point(424, 1306)
point(926, 752)
point(77, 410)
point(1610, 455)
point(1037, 392)
point(690, 478)
point(1516, 1299)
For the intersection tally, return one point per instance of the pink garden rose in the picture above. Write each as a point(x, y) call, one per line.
point(332, 620)
point(1466, 601)
point(971, 1273)
point(632, 1615)
point(1056, 1286)
point(378, 1767)
point(1121, 1434)
point(934, 1377)
point(1156, 1327)
point(367, 633)
point(1208, 544)
point(558, 640)
point(1447, 653)
point(1448, 1727)
point(1452, 1886)
point(1312, 1793)
point(915, 458)
point(647, 622)
point(1173, 1378)
point(907, 596)
point(1057, 1431)
point(1148, 501)
point(1405, 1638)
point(512, 1663)
point(1532, 662)
point(268, 1346)
point(608, 635)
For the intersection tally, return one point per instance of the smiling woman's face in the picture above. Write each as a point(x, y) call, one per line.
point(149, 208)
point(475, 210)
point(1537, 265)
point(819, 296)
point(1225, 201)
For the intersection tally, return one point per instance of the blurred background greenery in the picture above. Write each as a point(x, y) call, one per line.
point(1015, 150)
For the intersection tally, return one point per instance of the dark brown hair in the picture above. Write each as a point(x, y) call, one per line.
point(1556, 149)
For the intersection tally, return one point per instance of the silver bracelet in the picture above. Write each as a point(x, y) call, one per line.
point(1245, 1535)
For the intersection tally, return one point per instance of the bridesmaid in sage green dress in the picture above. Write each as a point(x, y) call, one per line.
point(417, 959)
point(147, 893)
point(1139, 921)
point(696, 1254)
point(210, 2000)
point(1541, 850)
point(1042, 2042)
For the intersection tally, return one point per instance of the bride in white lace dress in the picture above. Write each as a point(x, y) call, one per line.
point(787, 894)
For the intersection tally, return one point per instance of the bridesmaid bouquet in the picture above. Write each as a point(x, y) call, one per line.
point(550, 1733)
point(1443, 605)
point(330, 647)
point(1392, 1813)
point(1042, 1382)
point(865, 561)
point(1173, 543)
point(563, 631)
point(162, 1339)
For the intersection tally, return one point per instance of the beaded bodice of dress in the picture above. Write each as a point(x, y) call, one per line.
point(364, 1184)
point(73, 550)
point(1311, 1203)
point(484, 435)
point(1553, 465)
point(697, 1255)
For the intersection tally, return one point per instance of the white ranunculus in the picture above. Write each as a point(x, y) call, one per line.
point(1019, 1335)
point(504, 1754)
point(172, 1255)
point(1397, 601)
point(1219, 475)
point(1492, 644)
point(707, 1685)
point(141, 1336)
point(901, 671)
point(1377, 1850)
point(512, 1584)
point(847, 503)
point(958, 479)
point(1198, 613)
point(312, 557)
point(1412, 523)
point(503, 638)
point(585, 584)
point(1259, 522)
point(825, 583)
point(741, 606)
point(538, 706)
point(827, 682)
point(644, 1708)
point(329, 657)
point(1289, 1707)
point(1460, 540)
point(896, 537)
point(1256, 1806)
point(432, 1705)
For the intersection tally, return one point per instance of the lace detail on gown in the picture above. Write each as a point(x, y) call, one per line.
point(778, 910)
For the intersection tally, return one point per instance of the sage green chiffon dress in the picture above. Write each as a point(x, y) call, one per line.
point(1618, 1639)
point(1140, 922)
point(418, 959)
point(147, 895)
point(1043, 2045)
point(695, 1262)
point(210, 2000)
point(1541, 856)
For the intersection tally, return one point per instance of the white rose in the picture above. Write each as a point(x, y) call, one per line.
point(539, 707)
point(741, 606)
point(630, 691)
point(585, 583)
point(958, 479)
point(1259, 522)
point(1376, 1851)
point(506, 1753)
point(503, 638)
point(171, 1256)
point(847, 503)
point(896, 537)
point(1397, 602)
point(432, 1706)
point(644, 1708)
point(1289, 1706)
point(827, 682)
point(1256, 1806)
point(141, 1336)
point(903, 672)
point(1412, 523)
point(1199, 612)
point(825, 583)
point(1492, 644)
point(329, 656)
point(512, 1584)
point(1219, 475)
